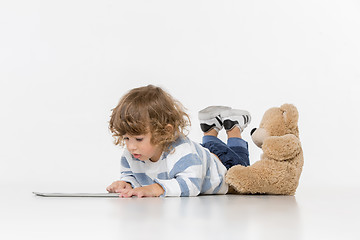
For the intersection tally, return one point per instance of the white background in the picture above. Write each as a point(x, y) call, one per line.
point(65, 64)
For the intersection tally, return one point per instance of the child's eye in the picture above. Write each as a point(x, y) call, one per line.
point(139, 139)
point(125, 138)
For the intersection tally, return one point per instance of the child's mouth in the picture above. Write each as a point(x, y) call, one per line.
point(137, 155)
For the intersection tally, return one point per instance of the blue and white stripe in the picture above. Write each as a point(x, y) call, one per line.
point(188, 170)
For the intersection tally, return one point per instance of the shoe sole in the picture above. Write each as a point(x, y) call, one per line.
point(234, 112)
point(211, 112)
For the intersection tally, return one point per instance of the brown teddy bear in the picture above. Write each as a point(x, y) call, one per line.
point(281, 163)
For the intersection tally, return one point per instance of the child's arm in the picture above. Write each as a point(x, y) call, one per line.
point(153, 190)
point(127, 174)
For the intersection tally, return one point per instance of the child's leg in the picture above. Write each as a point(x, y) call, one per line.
point(238, 145)
point(212, 121)
point(226, 155)
point(235, 121)
point(211, 136)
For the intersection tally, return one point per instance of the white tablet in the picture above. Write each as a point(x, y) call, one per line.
point(76, 194)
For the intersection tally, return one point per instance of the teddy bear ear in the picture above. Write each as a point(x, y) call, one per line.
point(291, 114)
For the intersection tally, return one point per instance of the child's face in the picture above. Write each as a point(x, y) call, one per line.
point(141, 147)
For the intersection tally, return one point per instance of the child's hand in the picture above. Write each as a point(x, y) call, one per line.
point(153, 190)
point(117, 186)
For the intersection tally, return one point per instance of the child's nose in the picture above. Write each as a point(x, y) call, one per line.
point(131, 146)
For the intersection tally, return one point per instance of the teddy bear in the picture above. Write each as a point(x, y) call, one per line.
point(280, 166)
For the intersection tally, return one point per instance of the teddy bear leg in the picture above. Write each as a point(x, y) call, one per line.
point(234, 177)
point(258, 179)
point(249, 180)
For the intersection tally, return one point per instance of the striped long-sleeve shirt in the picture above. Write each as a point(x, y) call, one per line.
point(187, 170)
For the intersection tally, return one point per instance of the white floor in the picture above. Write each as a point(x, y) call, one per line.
point(313, 213)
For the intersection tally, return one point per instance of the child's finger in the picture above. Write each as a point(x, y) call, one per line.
point(136, 192)
point(125, 194)
point(140, 194)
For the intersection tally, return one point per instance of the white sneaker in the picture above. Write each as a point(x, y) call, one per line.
point(235, 117)
point(211, 118)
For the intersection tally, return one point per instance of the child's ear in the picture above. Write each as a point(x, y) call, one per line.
point(169, 128)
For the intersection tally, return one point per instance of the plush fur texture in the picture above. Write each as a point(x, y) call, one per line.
point(280, 166)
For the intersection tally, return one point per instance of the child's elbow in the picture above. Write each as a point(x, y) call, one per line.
point(194, 192)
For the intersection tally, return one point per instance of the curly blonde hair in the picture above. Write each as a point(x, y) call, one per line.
point(149, 109)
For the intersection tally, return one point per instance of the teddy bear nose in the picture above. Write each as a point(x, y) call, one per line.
point(252, 131)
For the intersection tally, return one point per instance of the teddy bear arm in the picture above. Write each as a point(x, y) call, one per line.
point(282, 147)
